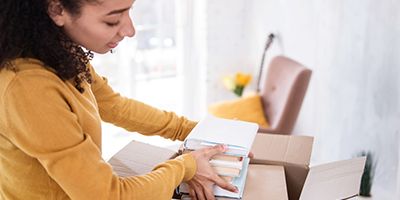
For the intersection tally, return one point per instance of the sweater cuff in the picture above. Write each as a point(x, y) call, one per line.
point(190, 165)
point(188, 127)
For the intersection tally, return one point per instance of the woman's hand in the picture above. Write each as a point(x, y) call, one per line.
point(251, 155)
point(201, 185)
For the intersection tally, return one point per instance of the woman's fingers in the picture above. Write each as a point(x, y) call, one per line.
point(205, 177)
point(198, 189)
point(212, 151)
point(201, 189)
point(224, 184)
point(192, 193)
point(208, 191)
point(251, 155)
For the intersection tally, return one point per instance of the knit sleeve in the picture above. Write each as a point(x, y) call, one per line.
point(42, 125)
point(137, 116)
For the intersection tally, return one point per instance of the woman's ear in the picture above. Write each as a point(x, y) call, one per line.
point(56, 12)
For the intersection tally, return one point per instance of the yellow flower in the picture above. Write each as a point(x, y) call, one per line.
point(229, 83)
point(236, 83)
point(242, 79)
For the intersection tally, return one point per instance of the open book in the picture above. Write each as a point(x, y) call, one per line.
point(238, 136)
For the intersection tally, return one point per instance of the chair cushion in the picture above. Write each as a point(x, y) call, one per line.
point(248, 108)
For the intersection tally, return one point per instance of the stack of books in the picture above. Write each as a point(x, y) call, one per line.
point(227, 166)
point(233, 164)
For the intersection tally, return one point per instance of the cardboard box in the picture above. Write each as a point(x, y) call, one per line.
point(336, 180)
point(138, 158)
point(279, 171)
point(265, 182)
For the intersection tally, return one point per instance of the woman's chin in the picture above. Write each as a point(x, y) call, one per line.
point(102, 51)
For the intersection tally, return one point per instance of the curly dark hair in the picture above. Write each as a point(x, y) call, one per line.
point(27, 31)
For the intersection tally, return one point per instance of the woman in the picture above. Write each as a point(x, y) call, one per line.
point(52, 102)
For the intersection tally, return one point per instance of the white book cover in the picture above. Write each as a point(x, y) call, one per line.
point(238, 135)
point(239, 182)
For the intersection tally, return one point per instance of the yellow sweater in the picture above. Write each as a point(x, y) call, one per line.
point(50, 139)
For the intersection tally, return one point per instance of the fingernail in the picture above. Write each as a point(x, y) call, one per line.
point(225, 147)
point(236, 190)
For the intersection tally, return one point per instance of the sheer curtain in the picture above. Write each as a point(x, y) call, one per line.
point(145, 68)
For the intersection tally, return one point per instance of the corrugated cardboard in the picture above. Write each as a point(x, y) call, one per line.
point(138, 158)
point(265, 182)
point(337, 180)
point(280, 169)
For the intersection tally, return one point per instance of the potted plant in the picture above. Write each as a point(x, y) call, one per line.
point(368, 174)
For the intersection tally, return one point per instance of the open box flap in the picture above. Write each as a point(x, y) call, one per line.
point(138, 158)
point(292, 152)
point(282, 148)
point(336, 180)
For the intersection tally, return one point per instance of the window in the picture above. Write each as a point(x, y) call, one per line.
point(144, 68)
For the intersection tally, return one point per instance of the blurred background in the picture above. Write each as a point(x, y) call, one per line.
point(183, 49)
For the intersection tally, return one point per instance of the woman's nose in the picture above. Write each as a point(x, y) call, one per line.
point(128, 29)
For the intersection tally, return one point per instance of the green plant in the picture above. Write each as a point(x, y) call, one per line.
point(368, 174)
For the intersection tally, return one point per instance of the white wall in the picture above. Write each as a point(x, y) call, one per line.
point(398, 177)
point(353, 48)
point(227, 46)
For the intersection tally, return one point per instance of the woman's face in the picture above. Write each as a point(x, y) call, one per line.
point(100, 26)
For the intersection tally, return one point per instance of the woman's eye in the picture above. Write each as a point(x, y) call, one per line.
point(111, 24)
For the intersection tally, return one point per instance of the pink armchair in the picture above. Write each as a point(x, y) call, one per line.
point(282, 94)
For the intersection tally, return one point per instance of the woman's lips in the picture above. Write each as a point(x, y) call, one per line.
point(112, 45)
